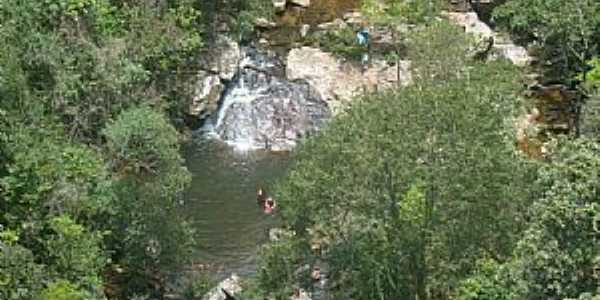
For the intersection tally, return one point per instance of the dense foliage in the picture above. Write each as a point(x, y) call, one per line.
point(75, 186)
point(82, 62)
point(558, 255)
point(417, 193)
point(567, 32)
point(404, 193)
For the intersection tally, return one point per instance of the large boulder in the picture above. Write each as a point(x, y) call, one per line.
point(339, 82)
point(223, 59)
point(207, 93)
point(231, 286)
point(263, 110)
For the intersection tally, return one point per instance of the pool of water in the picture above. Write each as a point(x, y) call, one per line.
point(221, 203)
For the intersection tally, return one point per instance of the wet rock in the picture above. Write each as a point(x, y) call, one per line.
point(263, 110)
point(223, 58)
point(230, 286)
point(206, 96)
point(337, 82)
point(303, 3)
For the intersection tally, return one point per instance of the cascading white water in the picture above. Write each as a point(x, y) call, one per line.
point(262, 111)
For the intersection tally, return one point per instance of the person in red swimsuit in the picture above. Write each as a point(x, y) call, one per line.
point(269, 205)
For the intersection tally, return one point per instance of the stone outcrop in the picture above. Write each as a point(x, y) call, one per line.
point(264, 110)
point(206, 95)
point(231, 286)
point(218, 66)
point(223, 58)
point(339, 82)
point(502, 47)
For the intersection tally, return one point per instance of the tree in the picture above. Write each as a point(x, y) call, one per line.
point(143, 152)
point(565, 31)
point(20, 276)
point(410, 187)
point(558, 255)
point(590, 113)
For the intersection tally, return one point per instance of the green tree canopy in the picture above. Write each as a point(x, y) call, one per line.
point(410, 187)
point(558, 255)
point(565, 31)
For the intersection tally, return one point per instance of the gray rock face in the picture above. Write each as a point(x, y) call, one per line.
point(206, 96)
point(224, 58)
point(218, 65)
point(338, 83)
point(231, 285)
point(263, 110)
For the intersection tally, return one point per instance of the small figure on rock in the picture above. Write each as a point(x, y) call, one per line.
point(362, 36)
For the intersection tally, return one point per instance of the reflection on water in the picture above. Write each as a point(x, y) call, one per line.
point(221, 203)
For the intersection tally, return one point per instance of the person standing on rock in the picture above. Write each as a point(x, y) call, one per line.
point(362, 36)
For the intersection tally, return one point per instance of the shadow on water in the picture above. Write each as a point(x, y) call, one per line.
point(221, 203)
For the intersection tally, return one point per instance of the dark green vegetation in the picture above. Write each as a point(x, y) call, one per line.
point(91, 92)
point(566, 37)
point(566, 33)
point(420, 193)
point(417, 193)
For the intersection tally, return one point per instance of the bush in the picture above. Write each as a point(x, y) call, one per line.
point(76, 255)
point(557, 256)
point(143, 151)
point(62, 290)
point(21, 278)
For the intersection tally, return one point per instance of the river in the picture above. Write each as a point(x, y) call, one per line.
point(221, 203)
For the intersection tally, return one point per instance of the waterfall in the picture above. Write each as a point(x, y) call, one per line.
point(260, 109)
